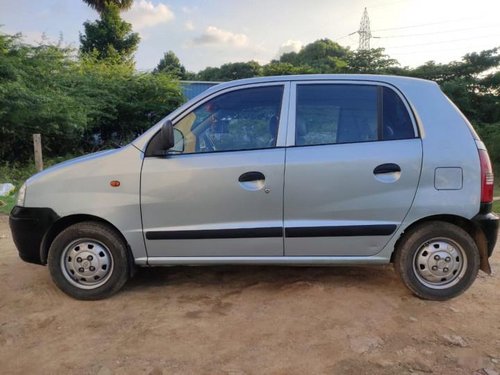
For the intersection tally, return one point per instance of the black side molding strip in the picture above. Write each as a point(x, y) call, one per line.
point(337, 231)
point(215, 233)
point(341, 231)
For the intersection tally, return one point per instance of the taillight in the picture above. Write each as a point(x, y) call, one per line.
point(486, 177)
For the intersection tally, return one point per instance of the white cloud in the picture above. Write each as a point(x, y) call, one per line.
point(290, 46)
point(214, 35)
point(189, 25)
point(144, 14)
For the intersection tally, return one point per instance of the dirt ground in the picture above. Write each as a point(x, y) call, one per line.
point(245, 320)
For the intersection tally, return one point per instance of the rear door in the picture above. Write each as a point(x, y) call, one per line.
point(353, 170)
point(219, 192)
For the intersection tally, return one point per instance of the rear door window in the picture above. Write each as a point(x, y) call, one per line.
point(396, 119)
point(347, 113)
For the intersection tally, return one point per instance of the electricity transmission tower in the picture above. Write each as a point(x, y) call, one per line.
point(364, 32)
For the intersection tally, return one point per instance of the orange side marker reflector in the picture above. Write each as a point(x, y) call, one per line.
point(115, 183)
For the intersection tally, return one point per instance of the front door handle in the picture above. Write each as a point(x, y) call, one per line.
point(387, 168)
point(251, 176)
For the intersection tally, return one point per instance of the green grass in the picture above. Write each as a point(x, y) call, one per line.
point(16, 174)
point(496, 193)
point(496, 190)
point(6, 204)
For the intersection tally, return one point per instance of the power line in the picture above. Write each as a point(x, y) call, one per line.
point(423, 24)
point(437, 32)
point(420, 51)
point(446, 41)
point(342, 37)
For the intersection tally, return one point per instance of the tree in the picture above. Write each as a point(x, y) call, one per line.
point(370, 61)
point(209, 74)
point(77, 105)
point(109, 37)
point(323, 56)
point(275, 68)
point(472, 83)
point(230, 71)
point(126, 103)
point(472, 66)
point(36, 96)
point(100, 5)
point(170, 64)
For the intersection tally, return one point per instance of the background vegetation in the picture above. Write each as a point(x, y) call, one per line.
point(90, 99)
point(78, 105)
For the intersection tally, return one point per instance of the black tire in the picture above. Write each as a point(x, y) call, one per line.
point(88, 261)
point(427, 251)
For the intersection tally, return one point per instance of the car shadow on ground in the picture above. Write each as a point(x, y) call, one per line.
point(273, 276)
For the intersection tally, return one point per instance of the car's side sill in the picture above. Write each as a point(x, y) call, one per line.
point(283, 260)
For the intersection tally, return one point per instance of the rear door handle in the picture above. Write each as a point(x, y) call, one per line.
point(251, 176)
point(387, 168)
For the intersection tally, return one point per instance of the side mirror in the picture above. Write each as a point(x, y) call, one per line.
point(167, 135)
point(161, 141)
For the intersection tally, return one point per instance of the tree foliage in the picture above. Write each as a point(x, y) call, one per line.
point(170, 64)
point(100, 5)
point(322, 56)
point(110, 37)
point(372, 61)
point(230, 71)
point(473, 83)
point(276, 68)
point(77, 105)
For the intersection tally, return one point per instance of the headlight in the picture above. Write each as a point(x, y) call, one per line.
point(21, 195)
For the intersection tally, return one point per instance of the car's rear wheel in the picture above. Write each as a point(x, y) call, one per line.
point(88, 261)
point(437, 260)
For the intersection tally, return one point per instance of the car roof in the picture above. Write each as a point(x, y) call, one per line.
point(393, 80)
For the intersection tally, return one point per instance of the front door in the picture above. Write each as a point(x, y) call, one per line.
point(354, 170)
point(219, 191)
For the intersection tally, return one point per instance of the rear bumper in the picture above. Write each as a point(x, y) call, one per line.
point(489, 223)
point(28, 227)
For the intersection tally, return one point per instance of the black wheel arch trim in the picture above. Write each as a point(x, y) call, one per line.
point(29, 226)
point(483, 228)
point(34, 228)
point(66, 221)
point(488, 223)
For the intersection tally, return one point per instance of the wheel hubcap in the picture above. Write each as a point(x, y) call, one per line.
point(87, 263)
point(440, 263)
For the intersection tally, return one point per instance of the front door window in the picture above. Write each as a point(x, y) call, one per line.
point(239, 120)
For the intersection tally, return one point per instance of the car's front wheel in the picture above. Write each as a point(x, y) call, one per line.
point(88, 261)
point(437, 260)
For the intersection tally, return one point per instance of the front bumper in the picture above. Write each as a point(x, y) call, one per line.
point(489, 223)
point(28, 227)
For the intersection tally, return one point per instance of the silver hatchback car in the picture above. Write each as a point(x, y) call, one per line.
point(292, 170)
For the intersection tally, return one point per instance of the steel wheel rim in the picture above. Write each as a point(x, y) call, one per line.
point(87, 263)
point(439, 263)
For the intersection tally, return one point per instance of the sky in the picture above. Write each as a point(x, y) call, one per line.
point(209, 33)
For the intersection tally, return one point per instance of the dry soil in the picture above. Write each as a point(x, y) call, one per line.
point(245, 320)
